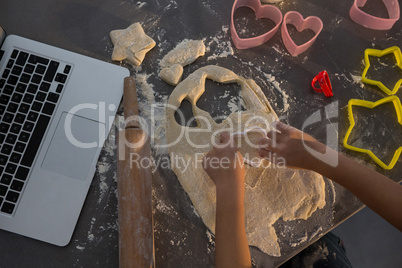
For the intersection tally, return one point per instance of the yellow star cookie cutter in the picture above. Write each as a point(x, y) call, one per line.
point(379, 53)
point(368, 104)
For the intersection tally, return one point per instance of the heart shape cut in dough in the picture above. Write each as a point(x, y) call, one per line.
point(372, 22)
point(261, 11)
point(295, 18)
point(172, 75)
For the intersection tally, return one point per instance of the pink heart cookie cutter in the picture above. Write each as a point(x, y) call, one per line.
point(295, 18)
point(261, 11)
point(372, 22)
point(256, 129)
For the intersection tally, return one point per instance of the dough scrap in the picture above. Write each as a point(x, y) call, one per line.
point(271, 192)
point(183, 54)
point(131, 44)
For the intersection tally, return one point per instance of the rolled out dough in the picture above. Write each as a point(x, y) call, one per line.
point(271, 192)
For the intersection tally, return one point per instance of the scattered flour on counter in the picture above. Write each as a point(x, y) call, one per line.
point(110, 226)
point(162, 207)
point(164, 45)
point(344, 76)
point(105, 162)
point(210, 237)
point(226, 95)
point(221, 44)
point(145, 102)
point(80, 248)
point(315, 233)
point(235, 104)
point(146, 89)
point(103, 167)
point(280, 50)
point(225, 29)
point(357, 80)
point(300, 241)
point(141, 4)
point(153, 112)
point(277, 86)
point(208, 6)
point(91, 236)
point(171, 5)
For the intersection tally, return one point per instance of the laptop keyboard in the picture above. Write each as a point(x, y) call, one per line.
point(26, 106)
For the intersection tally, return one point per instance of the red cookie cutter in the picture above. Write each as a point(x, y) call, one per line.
point(261, 11)
point(295, 18)
point(325, 84)
point(372, 22)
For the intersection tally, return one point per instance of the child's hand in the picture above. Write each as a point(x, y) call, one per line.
point(288, 146)
point(225, 165)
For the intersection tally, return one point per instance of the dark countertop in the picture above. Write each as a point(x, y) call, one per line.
point(181, 239)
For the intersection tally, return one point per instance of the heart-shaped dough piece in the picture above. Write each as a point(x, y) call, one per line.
point(172, 75)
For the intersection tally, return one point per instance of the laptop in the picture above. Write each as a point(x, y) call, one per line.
point(56, 110)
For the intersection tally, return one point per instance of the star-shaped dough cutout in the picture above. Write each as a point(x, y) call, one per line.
point(131, 44)
point(379, 53)
point(368, 104)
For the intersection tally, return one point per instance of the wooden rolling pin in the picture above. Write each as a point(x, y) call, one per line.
point(136, 243)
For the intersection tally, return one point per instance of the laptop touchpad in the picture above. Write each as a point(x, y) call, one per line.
point(73, 146)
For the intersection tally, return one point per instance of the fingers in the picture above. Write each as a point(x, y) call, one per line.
point(267, 144)
point(272, 134)
point(224, 137)
point(280, 129)
point(269, 149)
point(280, 126)
point(270, 156)
point(226, 140)
point(265, 154)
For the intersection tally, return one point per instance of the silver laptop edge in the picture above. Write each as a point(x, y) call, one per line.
point(53, 196)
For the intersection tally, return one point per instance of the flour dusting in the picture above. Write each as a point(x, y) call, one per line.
point(141, 4)
point(277, 86)
point(235, 104)
point(316, 232)
point(153, 113)
point(357, 80)
point(220, 44)
point(300, 240)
